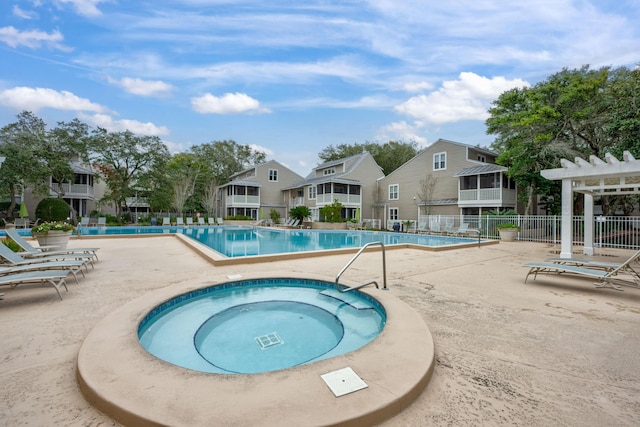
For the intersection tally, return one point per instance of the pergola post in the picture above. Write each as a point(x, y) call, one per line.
point(588, 224)
point(566, 250)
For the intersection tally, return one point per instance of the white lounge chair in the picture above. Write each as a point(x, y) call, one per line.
point(462, 229)
point(16, 260)
point(219, 221)
point(605, 276)
point(179, 221)
point(189, 220)
point(71, 266)
point(32, 251)
point(200, 220)
point(166, 221)
point(102, 221)
point(84, 222)
point(211, 221)
point(55, 278)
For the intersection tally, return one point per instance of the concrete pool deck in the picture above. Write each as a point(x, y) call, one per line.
point(556, 351)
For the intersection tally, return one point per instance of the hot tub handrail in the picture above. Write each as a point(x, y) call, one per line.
point(384, 270)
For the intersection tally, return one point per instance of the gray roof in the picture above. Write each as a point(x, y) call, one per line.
point(440, 202)
point(242, 182)
point(477, 170)
point(322, 180)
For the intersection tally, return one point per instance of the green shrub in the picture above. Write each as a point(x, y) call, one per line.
point(11, 245)
point(52, 209)
point(275, 216)
point(331, 213)
point(300, 213)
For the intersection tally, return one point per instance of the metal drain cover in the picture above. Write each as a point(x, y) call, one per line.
point(269, 340)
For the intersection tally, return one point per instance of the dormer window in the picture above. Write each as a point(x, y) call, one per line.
point(329, 171)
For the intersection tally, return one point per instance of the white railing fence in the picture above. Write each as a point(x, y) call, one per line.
point(609, 231)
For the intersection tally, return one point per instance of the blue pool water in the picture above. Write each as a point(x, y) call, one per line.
point(238, 241)
point(261, 325)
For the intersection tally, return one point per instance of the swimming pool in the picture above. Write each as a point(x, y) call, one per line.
point(260, 325)
point(244, 241)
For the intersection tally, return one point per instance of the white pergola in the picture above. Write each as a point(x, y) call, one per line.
point(592, 178)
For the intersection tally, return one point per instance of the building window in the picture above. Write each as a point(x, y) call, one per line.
point(330, 171)
point(312, 192)
point(439, 161)
point(481, 159)
point(394, 192)
point(273, 175)
point(393, 214)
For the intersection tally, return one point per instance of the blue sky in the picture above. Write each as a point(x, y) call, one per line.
point(291, 78)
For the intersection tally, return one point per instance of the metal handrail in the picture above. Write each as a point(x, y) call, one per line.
point(384, 270)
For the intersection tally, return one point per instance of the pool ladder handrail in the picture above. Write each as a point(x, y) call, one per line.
point(384, 270)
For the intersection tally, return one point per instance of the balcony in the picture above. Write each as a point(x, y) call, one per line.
point(244, 201)
point(352, 200)
point(75, 191)
point(487, 197)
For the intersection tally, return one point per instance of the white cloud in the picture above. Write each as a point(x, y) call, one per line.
point(229, 103)
point(107, 122)
point(467, 98)
point(261, 149)
point(85, 7)
point(24, 14)
point(32, 39)
point(417, 86)
point(403, 131)
point(34, 99)
point(156, 88)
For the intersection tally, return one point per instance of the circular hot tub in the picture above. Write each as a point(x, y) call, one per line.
point(122, 379)
point(260, 325)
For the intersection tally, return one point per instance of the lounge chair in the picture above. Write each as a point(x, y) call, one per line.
point(462, 229)
point(211, 221)
point(84, 222)
point(625, 267)
point(102, 221)
point(219, 221)
point(51, 277)
point(166, 221)
point(16, 259)
point(21, 222)
point(435, 228)
point(31, 251)
point(71, 266)
point(200, 220)
point(179, 221)
point(189, 220)
point(605, 276)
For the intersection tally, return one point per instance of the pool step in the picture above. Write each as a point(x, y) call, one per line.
point(349, 298)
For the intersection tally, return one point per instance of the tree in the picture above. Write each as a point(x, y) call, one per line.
point(21, 144)
point(389, 156)
point(225, 158)
point(427, 187)
point(124, 159)
point(183, 170)
point(574, 113)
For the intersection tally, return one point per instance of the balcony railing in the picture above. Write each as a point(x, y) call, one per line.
point(74, 190)
point(242, 200)
point(500, 196)
point(345, 199)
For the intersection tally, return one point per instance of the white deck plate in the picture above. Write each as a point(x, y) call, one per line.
point(343, 381)
point(234, 276)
